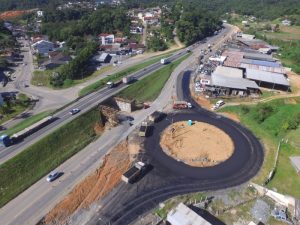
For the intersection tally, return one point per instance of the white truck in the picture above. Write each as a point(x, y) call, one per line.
point(164, 61)
point(128, 79)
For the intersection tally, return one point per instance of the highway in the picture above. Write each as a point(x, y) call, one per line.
point(31, 205)
point(170, 177)
point(85, 104)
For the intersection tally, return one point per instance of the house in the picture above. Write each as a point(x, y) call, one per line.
point(136, 30)
point(150, 20)
point(286, 22)
point(120, 40)
point(56, 59)
point(183, 215)
point(43, 47)
point(37, 38)
point(106, 38)
point(103, 58)
point(138, 48)
point(40, 13)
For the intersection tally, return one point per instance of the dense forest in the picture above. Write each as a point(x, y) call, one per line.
point(72, 27)
point(267, 9)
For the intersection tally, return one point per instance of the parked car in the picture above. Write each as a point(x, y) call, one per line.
point(220, 103)
point(74, 111)
point(53, 176)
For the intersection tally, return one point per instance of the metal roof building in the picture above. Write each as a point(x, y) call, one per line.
point(233, 83)
point(261, 62)
point(267, 77)
point(258, 56)
point(229, 72)
point(280, 70)
point(183, 215)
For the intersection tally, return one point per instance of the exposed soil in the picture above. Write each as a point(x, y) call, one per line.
point(95, 186)
point(195, 145)
point(202, 101)
point(13, 14)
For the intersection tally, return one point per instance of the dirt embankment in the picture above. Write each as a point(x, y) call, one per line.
point(196, 145)
point(13, 14)
point(96, 185)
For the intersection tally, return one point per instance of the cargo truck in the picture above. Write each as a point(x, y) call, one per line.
point(182, 105)
point(155, 116)
point(6, 140)
point(128, 79)
point(135, 172)
point(143, 129)
point(164, 61)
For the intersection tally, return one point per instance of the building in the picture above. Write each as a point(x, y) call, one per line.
point(56, 59)
point(106, 38)
point(268, 79)
point(43, 47)
point(183, 215)
point(40, 13)
point(103, 58)
point(286, 22)
point(136, 30)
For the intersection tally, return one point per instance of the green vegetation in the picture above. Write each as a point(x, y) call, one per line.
point(150, 87)
point(41, 78)
point(26, 123)
point(20, 172)
point(13, 107)
point(117, 76)
point(271, 122)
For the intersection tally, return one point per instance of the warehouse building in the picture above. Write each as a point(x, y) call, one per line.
point(230, 81)
point(268, 79)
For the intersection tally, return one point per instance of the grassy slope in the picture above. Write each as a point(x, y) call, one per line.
point(286, 179)
point(149, 88)
point(115, 77)
point(26, 123)
point(20, 172)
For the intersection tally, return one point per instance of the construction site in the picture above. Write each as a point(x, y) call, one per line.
point(194, 143)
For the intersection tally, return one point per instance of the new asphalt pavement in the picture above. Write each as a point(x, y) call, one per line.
point(169, 177)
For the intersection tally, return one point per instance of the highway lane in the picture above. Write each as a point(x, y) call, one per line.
point(36, 201)
point(85, 104)
point(171, 177)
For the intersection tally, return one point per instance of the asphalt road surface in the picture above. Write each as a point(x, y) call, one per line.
point(85, 104)
point(170, 177)
point(32, 204)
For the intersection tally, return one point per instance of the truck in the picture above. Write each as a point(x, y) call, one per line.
point(143, 129)
point(155, 116)
point(6, 140)
point(128, 79)
point(135, 172)
point(110, 84)
point(164, 61)
point(182, 105)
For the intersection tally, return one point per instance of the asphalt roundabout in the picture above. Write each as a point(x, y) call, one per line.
point(247, 156)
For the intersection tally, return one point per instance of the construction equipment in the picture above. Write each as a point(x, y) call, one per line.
point(136, 171)
point(143, 129)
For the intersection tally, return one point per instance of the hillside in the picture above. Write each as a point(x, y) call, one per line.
point(25, 4)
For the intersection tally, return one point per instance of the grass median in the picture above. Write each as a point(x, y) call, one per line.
point(20, 172)
point(271, 122)
point(117, 76)
point(150, 87)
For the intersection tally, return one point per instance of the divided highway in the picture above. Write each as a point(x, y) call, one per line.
point(84, 104)
point(31, 205)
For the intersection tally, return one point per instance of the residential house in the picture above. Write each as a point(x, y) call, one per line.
point(136, 30)
point(43, 47)
point(56, 59)
point(286, 22)
point(106, 38)
point(40, 13)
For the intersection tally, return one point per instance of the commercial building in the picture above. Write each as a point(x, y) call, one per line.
point(183, 215)
point(268, 79)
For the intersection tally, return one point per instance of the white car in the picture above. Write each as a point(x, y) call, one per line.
point(53, 176)
point(220, 103)
point(74, 111)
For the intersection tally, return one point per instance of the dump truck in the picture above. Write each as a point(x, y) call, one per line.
point(136, 171)
point(143, 129)
point(182, 105)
